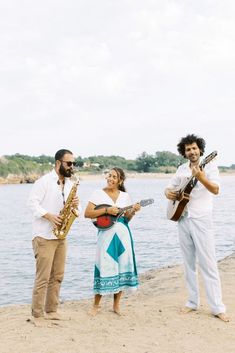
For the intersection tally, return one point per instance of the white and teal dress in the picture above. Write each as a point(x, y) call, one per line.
point(115, 266)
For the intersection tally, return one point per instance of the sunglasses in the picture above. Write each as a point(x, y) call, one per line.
point(69, 164)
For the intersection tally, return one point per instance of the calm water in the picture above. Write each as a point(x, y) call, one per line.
point(156, 243)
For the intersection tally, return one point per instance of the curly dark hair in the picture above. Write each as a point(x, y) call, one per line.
point(188, 140)
point(121, 178)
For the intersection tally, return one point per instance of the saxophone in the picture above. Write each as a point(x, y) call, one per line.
point(68, 214)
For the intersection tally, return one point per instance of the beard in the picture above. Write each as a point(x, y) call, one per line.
point(67, 173)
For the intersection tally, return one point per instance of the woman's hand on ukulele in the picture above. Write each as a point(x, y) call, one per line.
point(130, 213)
point(136, 207)
point(113, 210)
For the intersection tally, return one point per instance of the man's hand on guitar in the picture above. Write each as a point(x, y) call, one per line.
point(171, 194)
point(198, 173)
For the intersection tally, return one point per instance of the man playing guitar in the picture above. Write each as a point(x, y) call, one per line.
point(196, 236)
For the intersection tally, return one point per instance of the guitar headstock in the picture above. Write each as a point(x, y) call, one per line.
point(146, 202)
point(209, 158)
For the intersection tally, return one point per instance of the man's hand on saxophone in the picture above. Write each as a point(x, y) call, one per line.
point(75, 202)
point(54, 219)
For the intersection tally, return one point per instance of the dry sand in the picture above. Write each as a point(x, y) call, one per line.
point(151, 321)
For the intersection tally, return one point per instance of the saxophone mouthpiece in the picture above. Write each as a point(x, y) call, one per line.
point(75, 178)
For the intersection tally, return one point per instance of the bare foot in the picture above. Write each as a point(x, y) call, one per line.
point(38, 321)
point(186, 310)
point(223, 317)
point(55, 316)
point(116, 309)
point(94, 310)
point(52, 316)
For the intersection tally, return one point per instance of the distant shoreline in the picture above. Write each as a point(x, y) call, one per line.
point(15, 179)
point(128, 175)
point(142, 175)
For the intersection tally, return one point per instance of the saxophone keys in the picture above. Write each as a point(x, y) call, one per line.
point(75, 212)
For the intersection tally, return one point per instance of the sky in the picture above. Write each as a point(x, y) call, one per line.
point(116, 77)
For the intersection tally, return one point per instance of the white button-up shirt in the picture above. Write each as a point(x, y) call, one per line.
point(201, 200)
point(46, 197)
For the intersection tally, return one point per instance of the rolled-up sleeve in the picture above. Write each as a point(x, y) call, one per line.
point(213, 174)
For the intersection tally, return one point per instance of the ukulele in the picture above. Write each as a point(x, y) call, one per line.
point(175, 208)
point(106, 221)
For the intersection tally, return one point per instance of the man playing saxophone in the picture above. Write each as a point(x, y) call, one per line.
point(52, 198)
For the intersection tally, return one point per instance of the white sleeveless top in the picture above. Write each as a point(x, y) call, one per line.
point(101, 197)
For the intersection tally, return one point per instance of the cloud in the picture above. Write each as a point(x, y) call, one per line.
point(132, 75)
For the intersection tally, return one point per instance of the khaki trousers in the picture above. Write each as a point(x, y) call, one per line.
point(50, 258)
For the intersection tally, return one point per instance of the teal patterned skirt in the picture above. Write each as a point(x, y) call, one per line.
point(115, 266)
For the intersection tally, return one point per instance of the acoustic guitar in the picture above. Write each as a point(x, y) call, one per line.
point(106, 221)
point(175, 208)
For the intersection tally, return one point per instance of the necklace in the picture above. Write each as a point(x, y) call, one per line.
point(61, 184)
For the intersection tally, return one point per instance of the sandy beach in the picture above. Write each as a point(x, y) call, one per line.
point(151, 321)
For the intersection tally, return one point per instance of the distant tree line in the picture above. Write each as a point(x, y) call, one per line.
point(164, 162)
point(19, 164)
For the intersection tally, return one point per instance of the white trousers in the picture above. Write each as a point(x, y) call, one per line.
point(196, 241)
